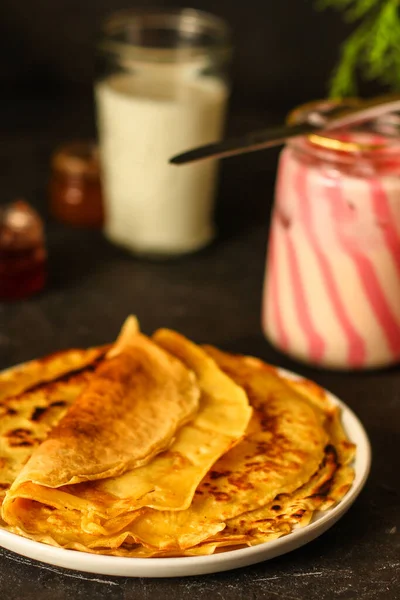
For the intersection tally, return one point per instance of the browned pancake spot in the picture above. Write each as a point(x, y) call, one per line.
point(347, 445)
point(241, 482)
point(220, 496)
point(59, 403)
point(298, 514)
point(20, 437)
point(217, 474)
point(38, 412)
point(7, 411)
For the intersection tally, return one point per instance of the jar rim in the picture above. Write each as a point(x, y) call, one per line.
point(187, 21)
point(333, 142)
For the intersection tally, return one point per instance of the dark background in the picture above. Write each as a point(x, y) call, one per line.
point(285, 49)
point(284, 53)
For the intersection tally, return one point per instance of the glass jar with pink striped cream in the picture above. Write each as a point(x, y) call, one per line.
point(332, 286)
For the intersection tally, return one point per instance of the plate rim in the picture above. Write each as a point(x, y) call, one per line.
point(195, 565)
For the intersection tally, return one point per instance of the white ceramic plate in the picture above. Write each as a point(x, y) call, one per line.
point(197, 565)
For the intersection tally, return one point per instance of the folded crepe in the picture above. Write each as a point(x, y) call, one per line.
point(128, 412)
point(104, 506)
point(126, 473)
point(283, 447)
point(27, 417)
point(278, 516)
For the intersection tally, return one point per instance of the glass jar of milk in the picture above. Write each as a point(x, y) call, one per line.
point(162, 89)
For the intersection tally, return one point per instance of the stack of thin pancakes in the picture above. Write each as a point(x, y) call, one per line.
point(159, 447)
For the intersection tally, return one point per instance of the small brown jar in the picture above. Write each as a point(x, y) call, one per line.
point(75, 186)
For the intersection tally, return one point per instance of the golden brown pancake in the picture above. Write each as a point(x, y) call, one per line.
point(129, 411)
point(231, 477)
point(33, 398)
point(168, 481)
point(283, 447)
point(27, 419)
point(286, 511)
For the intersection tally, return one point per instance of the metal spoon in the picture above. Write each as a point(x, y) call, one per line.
point(339, 116)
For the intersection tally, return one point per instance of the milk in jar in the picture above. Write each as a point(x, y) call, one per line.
point(163, 90)
point(151, 205)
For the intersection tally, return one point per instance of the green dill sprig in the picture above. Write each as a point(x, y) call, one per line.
point(372, 51)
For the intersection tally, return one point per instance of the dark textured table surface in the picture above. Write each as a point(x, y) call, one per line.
point(212, 296)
